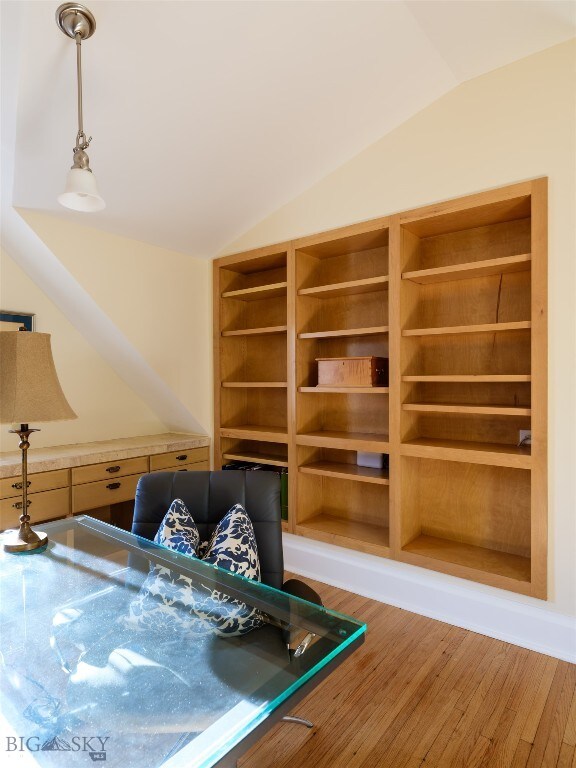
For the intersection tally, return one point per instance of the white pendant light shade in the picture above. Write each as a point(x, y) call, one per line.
point(81, 192)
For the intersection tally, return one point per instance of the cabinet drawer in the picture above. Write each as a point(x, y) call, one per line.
point(167, 461)
point(104, 492)
point(111, 469)
point(46, 505)
point(41, 481)
point(186, 467)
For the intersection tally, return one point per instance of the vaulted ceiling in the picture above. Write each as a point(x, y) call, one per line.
point(208, 116)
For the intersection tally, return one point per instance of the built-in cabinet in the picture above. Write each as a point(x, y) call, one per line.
point(86, 484)
point(454, 295)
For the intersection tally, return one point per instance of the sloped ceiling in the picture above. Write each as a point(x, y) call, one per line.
point(208, 116)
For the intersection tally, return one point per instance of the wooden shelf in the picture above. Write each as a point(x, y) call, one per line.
point(347, 472)
point(255, 384)
point(351, 441)
point(346, 533)
point(257, 458)
point(345, 332)
point(257, 293)
point(494, 454)
point(347, 288)
point(256, 432)
point(454, 329)
point(490, 410)
point(346, 390)
point(471, 269)
point(257, 331)
point(470, 556)
point(473, 378)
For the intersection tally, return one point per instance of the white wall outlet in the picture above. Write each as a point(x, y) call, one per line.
point(525, 437)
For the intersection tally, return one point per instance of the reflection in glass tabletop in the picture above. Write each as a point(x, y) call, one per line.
point(83, 682)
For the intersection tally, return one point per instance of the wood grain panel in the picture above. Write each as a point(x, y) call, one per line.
point(539, 422)
point(198, 466)
point(504, 240)
point(471, 503)
point(422, 694)
point(39, 481)
point(110, 470)
point(46, 505)
point(470, 269)
point(359, 265)
point(343, 240)
point(102, 493)
point(178, 458)
point(496, 353)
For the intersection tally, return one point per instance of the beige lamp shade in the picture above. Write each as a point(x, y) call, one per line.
point(29, 388)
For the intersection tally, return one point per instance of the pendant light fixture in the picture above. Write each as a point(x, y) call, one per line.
point(81, 193)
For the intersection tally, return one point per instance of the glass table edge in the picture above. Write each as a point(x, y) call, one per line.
point(184, 760)
point(132, 540)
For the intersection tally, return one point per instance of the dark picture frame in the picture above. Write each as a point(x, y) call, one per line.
point(25, 319)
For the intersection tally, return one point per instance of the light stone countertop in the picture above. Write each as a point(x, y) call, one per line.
point(80, 454)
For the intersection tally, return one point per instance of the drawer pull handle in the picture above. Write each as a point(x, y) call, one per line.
point(18, 504)
point(113, 469)
point(113, 486)
point(182, 457)
point(18, 486)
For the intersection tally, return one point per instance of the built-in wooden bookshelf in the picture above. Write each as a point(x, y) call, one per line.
point(454, 294)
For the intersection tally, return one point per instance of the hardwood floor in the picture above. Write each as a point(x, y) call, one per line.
point(423, 693)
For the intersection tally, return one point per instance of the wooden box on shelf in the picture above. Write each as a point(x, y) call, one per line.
point(352, 371)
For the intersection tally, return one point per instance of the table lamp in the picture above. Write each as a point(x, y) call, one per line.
point(29, 392)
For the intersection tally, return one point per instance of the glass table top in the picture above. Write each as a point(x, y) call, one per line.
point(105, 657)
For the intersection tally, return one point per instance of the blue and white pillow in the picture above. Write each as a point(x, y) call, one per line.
point(178, 530)
point(233, 545)
point(170, 600)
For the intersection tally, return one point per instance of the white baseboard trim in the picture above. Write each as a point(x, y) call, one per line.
point(434, 595)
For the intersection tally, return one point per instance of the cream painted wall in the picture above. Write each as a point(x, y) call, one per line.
point(105, 406)
point(160, 299)
point(515, 123)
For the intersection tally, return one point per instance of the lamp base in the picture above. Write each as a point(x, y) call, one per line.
point(24, 539)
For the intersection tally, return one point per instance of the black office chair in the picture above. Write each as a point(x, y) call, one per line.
point(212, 660)
point(208, 496)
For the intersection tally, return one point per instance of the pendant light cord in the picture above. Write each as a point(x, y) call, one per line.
point(81, 141)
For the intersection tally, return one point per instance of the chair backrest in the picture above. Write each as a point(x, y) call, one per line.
point(208, 496)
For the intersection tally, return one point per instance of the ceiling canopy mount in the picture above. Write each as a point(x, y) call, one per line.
point(75, 19)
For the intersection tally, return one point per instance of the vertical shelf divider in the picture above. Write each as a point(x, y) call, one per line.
point(539, 387)
point(216, 347)
point(292, 387)
point(395, 383)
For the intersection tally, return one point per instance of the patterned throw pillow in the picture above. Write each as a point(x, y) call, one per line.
point(178, 530)
point(169, 600)
point(232, 547)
